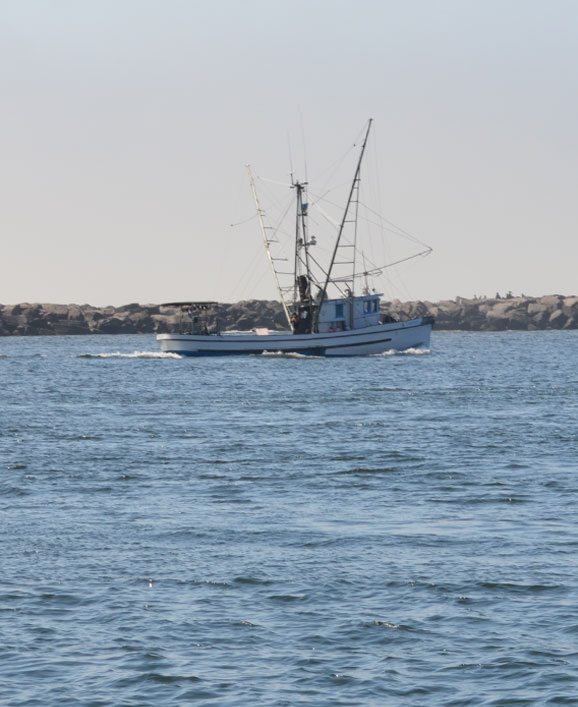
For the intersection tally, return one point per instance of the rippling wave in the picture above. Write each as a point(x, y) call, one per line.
point(387, 530)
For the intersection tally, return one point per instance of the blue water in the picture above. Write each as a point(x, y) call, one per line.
point(390, 530)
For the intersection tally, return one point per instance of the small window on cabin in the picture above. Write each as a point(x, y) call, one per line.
point(339, 311)
point(375, 305)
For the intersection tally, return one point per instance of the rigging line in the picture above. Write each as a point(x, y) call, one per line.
point(274, 199)
point(273, 181)
point(325, 214)
point(401, 230)
point(424, 253)
point(395, 231)
point(257, 280)
point(276, 205)
point(383, 243)
point(377, 270)
point(336, 164)
point(339, 161)
point(276, 229)
point(248, 272)
point(382, 267)
point(396, 262)
point(328, 191)
point(318, 264)
point(240, 223)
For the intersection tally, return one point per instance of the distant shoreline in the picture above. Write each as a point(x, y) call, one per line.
point(478, 314)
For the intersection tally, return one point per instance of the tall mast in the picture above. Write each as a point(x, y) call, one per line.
point(296, 268)
point(267, 242)
point(301, 236)
point(354, 186)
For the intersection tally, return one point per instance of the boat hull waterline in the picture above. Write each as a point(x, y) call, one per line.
point(396, 336)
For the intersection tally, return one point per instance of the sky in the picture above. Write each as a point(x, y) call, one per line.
point(126, 126)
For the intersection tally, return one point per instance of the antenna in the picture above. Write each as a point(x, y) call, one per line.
point(303, 143)
point(290, 155)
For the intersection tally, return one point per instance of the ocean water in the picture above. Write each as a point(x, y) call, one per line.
point(269, 530)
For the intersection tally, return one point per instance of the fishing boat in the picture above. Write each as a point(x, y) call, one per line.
point(329, 307)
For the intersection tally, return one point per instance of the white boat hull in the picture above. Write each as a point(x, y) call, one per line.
point(398, 336)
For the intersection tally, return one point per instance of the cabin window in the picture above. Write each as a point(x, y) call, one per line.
point(339, 311)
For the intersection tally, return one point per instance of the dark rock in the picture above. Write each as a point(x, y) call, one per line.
point(530, 313)
point(114, 325)
point(557, 319)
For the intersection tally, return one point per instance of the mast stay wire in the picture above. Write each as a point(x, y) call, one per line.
point(244, 279)
point(398, 230)
point(240, 223)
point(272, 181)
point(376, 269)
point(332, 169)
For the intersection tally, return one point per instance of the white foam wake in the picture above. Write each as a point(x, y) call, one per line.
point(133, 354)
point(405, 352)
point(288, 354)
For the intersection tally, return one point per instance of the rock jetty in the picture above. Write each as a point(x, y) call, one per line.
point(479, 314)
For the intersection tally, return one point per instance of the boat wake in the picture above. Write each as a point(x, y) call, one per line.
point(405, 352)
point(134, 354)
point(287, 354)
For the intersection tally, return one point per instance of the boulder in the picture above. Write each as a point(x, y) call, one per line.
point(75, 313)
point(114, 325)
point(55, 310)
point(496, 320)
point(572, 321)
point(549, 312)
point(570, 306)
point(552, 301)
point(557, 319)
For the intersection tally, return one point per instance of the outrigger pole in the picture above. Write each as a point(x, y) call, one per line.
point(344, 219)
point(263, 227)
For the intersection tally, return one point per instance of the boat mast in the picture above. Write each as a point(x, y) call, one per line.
point(344, 220)
point(267, 242)
point(301, 239)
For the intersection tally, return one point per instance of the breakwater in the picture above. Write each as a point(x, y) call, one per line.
point(499, 314)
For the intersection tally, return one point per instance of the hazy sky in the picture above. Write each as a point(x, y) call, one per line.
point(126, 125)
